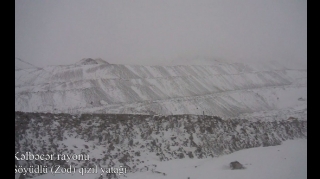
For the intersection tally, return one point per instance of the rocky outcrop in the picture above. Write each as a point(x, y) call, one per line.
point(90, 61)
point(236, 165)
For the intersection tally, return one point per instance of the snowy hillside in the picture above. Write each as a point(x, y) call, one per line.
point(141, 142)
point(226, 90)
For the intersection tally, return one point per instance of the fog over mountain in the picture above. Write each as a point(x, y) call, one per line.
point(144, 32)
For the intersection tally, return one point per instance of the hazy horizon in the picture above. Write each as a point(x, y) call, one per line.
point(161, 32)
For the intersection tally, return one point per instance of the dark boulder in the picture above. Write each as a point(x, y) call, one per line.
point(236, 165)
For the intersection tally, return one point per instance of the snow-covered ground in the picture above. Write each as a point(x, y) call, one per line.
point(144, 143)
point(286, 161)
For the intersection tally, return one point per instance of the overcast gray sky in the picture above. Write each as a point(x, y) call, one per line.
point(150, 32)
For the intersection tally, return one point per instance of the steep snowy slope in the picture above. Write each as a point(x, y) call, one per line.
point(227, 90)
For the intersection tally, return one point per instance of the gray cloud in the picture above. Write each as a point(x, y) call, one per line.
point(161, 32)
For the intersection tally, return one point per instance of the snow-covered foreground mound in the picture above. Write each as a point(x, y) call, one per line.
point(141, 143)
point(288, 160)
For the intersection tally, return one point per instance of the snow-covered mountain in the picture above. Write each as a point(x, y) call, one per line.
point(223, 89)
point(140, 117)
